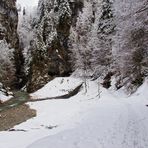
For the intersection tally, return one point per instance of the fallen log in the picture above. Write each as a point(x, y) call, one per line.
point(66, 96)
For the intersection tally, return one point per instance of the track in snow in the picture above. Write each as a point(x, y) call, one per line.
point(112, 123)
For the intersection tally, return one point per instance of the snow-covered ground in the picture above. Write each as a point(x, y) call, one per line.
point(58, 87)
point(85, 120)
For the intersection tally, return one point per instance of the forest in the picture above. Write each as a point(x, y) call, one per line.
point(68, 55)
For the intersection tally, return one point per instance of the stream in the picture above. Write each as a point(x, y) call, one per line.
point(20, 97)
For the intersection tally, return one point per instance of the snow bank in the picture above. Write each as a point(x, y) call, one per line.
point(57, 87)
point(143, 89)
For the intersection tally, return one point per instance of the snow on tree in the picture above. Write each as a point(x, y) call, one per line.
point(80, 36)
point(106, 37)
point(93, 38)
point(27, 21)
point(45, 31)
point(52, 16)
point(101, 39)
point(130, 42)
point(7, 70)
point(50, 44)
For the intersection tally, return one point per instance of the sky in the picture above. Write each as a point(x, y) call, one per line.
point(28, 2)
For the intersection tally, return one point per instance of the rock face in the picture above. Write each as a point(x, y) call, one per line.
point(9, 36)
point(50, 54)
point(9, 20)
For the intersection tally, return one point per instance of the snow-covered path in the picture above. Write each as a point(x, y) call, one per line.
point(111, 123)
point(85, 121)
point(135, 134)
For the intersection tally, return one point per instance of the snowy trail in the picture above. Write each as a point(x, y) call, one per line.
point(84, 121)
point(112, 123)
point(136, 132)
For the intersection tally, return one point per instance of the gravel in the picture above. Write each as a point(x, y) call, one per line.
point(16, 115)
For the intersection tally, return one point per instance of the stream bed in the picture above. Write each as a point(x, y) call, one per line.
point(20, 97)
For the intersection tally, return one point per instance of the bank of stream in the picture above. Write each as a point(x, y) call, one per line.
point(20, 97)
point(15, 111)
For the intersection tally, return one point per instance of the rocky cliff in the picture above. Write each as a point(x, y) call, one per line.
point(8, 21)
point(11, 70)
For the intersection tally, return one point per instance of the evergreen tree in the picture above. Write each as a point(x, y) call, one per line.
point(130, 41)
point(7, 70)
point(101, 39)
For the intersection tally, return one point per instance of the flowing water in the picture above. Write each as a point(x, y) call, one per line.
point(20, 97)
